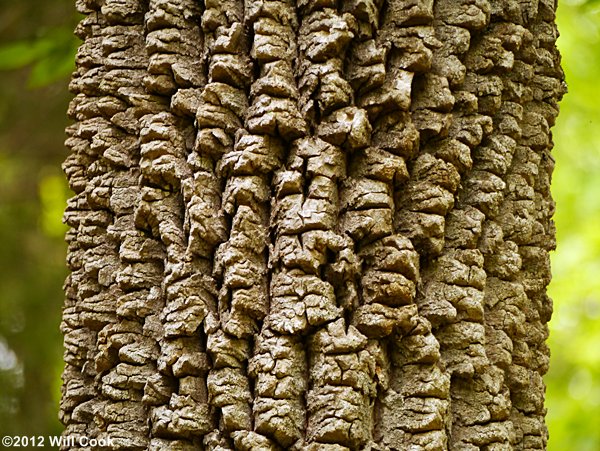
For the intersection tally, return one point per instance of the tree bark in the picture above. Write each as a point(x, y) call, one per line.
point(310, 225)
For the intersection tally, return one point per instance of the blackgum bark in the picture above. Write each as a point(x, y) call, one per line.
point(310, 225)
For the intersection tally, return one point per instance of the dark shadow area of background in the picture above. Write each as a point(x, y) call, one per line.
point(33, 102)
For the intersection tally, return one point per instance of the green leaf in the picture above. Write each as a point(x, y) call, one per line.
point(18, 54)
point(51, 56)
point(50, 69)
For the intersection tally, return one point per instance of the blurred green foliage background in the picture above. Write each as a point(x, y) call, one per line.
point(573, 383)
point(36, 57)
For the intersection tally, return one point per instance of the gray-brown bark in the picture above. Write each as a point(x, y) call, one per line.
point(312, 225)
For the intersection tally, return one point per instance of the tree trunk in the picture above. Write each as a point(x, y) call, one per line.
point(310, 225)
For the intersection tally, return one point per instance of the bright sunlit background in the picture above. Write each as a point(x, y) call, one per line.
point(36, 56)
point(573, 393)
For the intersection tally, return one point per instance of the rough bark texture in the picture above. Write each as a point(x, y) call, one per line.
point(310, 225)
